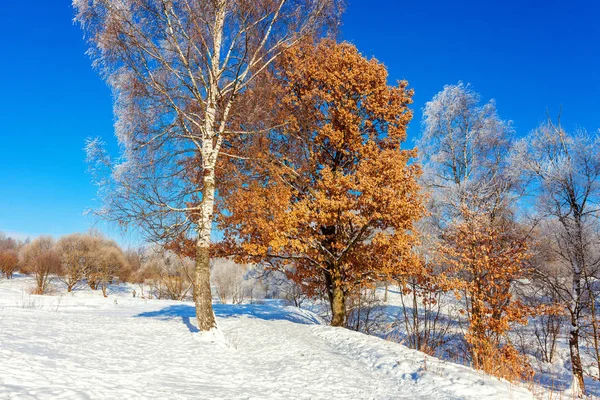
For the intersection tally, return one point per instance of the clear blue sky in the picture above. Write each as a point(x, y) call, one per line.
point(530, 55)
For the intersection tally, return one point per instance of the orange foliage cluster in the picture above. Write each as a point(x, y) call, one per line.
point(8, 262)
point(333, 197)
point(482, 259)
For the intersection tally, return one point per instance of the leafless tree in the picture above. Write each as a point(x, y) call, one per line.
point(426, 318)
point(39, 259)
point(464, 148)
point(76, 252)
point(563, 170)
point(8, 243)
point(176, 68)
point(228, 280)
point(9, 261)
point(109, 261)
point(539, 291)
point(366, 312)
point(135, 258)
point(169, 275)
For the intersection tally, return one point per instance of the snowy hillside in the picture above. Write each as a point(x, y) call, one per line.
point(84, 346)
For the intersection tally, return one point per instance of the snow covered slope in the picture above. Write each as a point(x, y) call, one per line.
point(83, 346)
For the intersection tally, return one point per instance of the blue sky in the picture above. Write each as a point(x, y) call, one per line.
point(530, 55)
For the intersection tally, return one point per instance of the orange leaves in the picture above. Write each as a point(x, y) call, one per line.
point(8, 262)
point(482, 258)
point(345, 96)
point(330, 195)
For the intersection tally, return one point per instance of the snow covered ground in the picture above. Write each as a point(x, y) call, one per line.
point(551, 380)
point(84, 346)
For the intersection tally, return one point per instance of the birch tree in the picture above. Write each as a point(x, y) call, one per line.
point(176, 68)
point(563, 170)
point(463, 148)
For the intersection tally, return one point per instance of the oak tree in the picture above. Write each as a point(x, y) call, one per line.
point(482, 260)
point(330, 197)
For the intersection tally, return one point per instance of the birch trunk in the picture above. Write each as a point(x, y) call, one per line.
point(202, 291)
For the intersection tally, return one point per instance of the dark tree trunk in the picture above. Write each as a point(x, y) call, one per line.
point(202, 290)
point(338, 307)
point(337, 300)
point(576, 359)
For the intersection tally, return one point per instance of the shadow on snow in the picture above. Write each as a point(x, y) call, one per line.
point(261, 311)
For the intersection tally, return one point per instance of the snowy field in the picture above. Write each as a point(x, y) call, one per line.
point(84, 346)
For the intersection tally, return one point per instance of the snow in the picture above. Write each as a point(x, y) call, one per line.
point(84, 346)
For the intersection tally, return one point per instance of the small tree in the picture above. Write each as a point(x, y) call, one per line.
point(135, 259)
point(40, 259)
point(228, 280)
point(170, 273)
point(8, 243)
point(9, 261)
point(109, 261)
point(331, 197)
point(76, 253)
point(425, 318)
point(482, 261)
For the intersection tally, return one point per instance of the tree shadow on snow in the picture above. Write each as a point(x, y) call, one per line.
point(261, 311)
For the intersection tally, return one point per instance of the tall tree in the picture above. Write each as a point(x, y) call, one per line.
point(333, 198)
point(176, 68)
point(464, 149)
point(563, 169)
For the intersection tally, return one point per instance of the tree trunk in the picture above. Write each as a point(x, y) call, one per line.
point(338, 306)
point(385, 295)
point(595, 333)
point(202, 290)
point(358, 312)
point(578, 386)
point(337, 300)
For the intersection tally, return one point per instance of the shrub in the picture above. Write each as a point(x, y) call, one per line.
point(40, 259)
point(8, 262)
